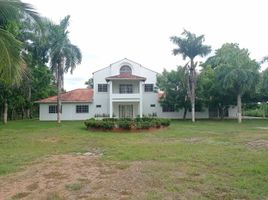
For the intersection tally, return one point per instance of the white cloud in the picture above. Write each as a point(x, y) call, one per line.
point(109, 30)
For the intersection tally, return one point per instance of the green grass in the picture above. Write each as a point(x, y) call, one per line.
point(214, 155)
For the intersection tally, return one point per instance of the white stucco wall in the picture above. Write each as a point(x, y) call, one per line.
point(232, 112)
point(68, 112)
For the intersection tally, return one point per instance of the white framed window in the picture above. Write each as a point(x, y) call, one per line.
point(81, 108)
point(53, 109)
point(125, 88)
point(149, 87)
point(102, 87)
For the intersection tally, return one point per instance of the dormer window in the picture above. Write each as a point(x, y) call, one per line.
point(125, 69)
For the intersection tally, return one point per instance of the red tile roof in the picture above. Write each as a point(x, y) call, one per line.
point(125, 76)
point(78, 95)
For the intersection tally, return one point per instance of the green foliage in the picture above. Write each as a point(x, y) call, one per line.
point(190, 45)
point(174, 84)
point(90, 83)
point(257, 111)
point(127, 123)
point(236, 71)
point(145, 124)
point(124, 124)
point(264, 85)
point(99, 124)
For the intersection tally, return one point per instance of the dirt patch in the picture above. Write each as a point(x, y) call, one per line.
point(261, 144)
point(77, 176)
point(193, 139)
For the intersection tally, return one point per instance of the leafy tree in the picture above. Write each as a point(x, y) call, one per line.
point(89, 83)
point(210, 91)
point(174, 84)
point(236, 72)
point(64, 56)
point(190, 46)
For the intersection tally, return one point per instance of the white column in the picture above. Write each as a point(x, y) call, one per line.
point(110, 99)
point(141, 100)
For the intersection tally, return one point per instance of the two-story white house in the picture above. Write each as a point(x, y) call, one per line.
point(124, 89)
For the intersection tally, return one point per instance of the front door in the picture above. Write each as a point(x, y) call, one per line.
point(125, 111)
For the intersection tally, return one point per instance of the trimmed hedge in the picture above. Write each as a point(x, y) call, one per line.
point(127, 124)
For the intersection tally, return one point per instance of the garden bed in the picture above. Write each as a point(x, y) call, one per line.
point(131, 125)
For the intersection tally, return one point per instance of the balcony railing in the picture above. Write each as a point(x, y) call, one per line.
point(133, 96)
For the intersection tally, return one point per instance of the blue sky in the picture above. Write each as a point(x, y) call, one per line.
point(110, 30)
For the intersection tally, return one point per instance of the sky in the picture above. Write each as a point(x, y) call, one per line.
point(109, 30)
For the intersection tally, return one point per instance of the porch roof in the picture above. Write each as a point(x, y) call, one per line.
point(125, 77)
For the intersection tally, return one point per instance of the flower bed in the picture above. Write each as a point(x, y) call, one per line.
point(126, 124)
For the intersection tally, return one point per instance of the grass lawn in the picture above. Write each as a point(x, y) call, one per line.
point(205, 160)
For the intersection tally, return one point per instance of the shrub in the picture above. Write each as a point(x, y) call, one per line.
point(165, 122)
point(110, 119)
point(145, 124)
point(156, 123)
point(127, 123)
point(92, 123)
point(124, 124)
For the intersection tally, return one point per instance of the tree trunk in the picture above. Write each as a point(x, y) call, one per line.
point(185, 112)
point(58, 96)
point(192, 88)
point(5, 111)
point(222, 112)
point(264, 109)
point(28, 110)
point(239, 108)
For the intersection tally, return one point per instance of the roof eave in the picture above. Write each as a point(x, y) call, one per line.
point(136, 79)
point(41, 102)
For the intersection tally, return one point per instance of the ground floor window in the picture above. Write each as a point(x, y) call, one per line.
point(168, 108)
point(81, 108)
point(53, 109)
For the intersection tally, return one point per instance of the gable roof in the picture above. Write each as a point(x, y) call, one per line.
point(125, 76)
point(125, 59)
point(77, 95)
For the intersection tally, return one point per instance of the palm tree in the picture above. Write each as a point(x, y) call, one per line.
point(11, 62)
point(12, 66)
point(64, 56)
point(191, 46)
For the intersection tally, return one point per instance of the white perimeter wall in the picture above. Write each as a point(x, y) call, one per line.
point(68, 112)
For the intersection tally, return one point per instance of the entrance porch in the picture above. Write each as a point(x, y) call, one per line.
point(126, 109)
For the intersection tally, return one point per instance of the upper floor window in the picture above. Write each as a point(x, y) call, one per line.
point(81, 108)
point(125, 69)
point(125, 88)
point(102, 87)
point(148, 87)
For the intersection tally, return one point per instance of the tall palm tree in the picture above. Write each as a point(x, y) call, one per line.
point(64, 56)
point(190, 46)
